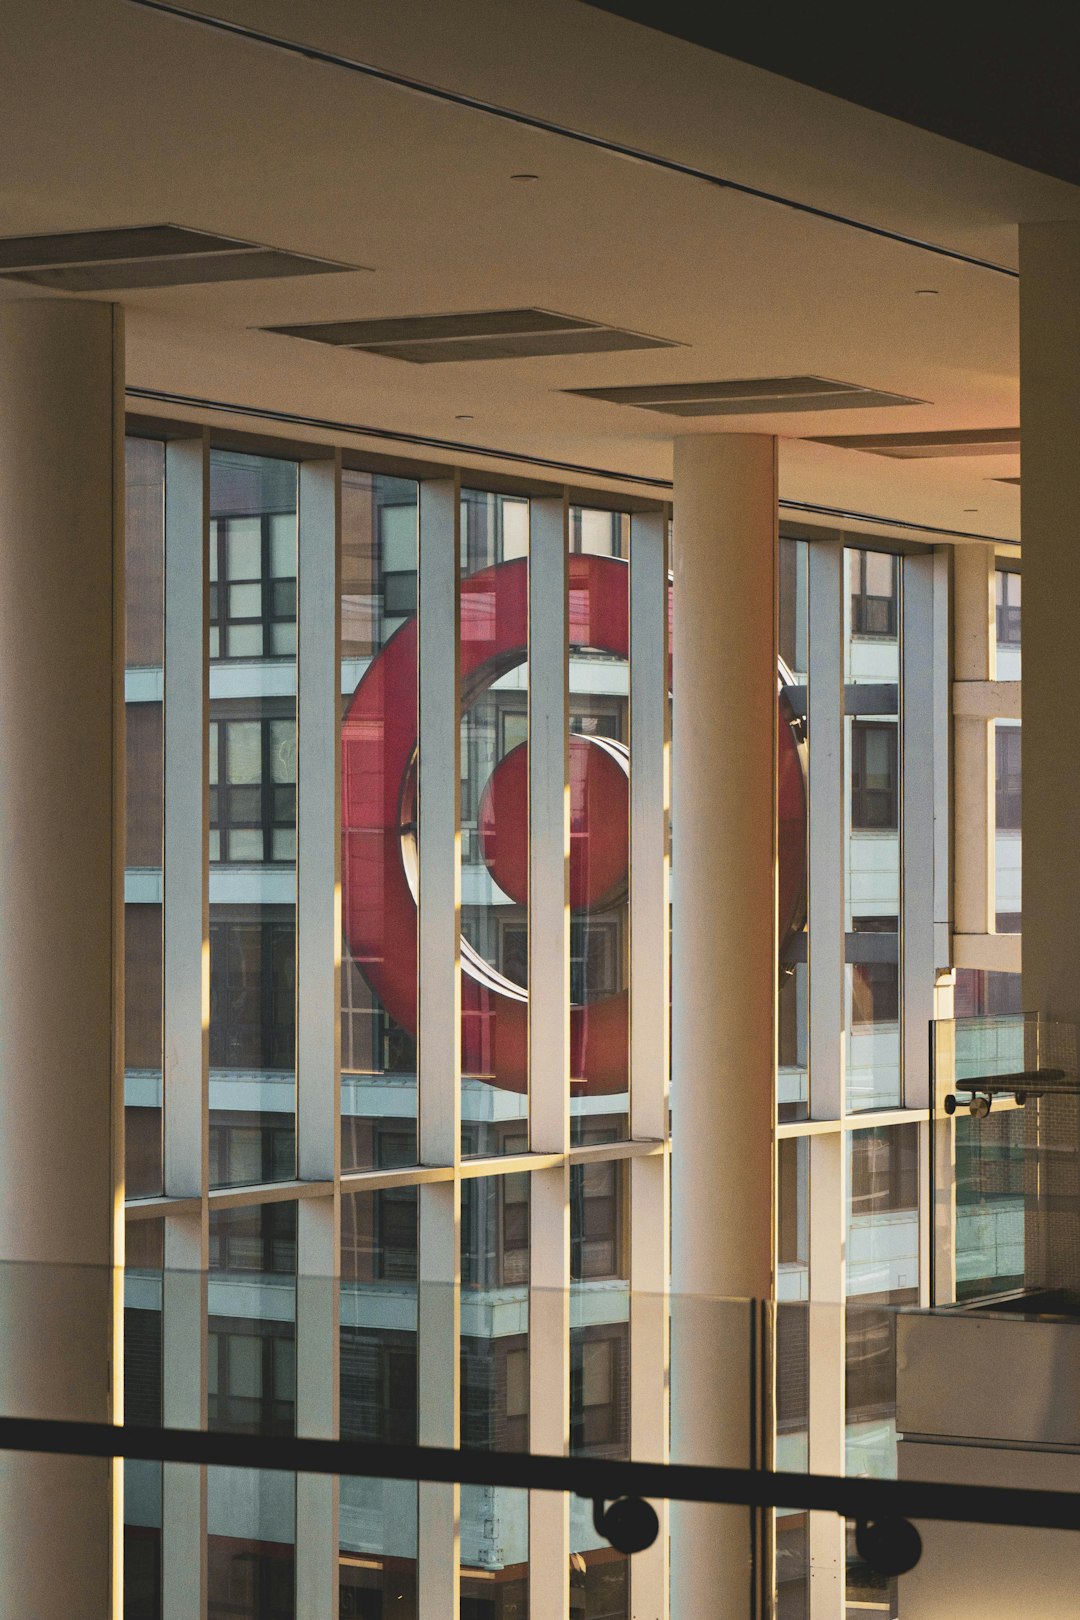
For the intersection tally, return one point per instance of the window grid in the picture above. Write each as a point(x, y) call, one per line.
point(868, 619)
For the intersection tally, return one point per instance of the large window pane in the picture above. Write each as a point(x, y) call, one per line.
point(142, 1406)
point(494, 821)
point(599, 1368)
point(379, 1397)
point(793, 1001)
point(379, 731)
point(252, 747)
point(144, 806)
point(495, 1350)
point(872, 835)
point(251, 1513)
point(882, 1273)
point(600, 826)
point(1008, 619)
point(1007, 832)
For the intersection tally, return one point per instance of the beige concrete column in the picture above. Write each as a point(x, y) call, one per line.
point(61, 901)
point(723, 981)
point(1050, 495)
point(1050, 492)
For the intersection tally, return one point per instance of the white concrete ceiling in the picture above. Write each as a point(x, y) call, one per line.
point(115, 114)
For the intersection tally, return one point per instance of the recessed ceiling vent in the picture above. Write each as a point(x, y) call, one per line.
point(497, 334)
point(147, 256)
point(929, 446)
point(746, 396)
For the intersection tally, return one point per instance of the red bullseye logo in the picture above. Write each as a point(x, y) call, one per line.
point(379, 793)
point(599, 819)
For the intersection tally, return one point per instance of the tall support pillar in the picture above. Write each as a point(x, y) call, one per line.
point(724, 983)
point(1050, 495)
point(1050, 425)
point(61, 896)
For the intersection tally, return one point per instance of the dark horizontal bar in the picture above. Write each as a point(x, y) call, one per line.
point(589, 1477)
point(1032, 1081)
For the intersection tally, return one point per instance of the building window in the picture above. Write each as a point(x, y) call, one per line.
point(874, 775)
point(252, 1377)
point(874, 594)
point(1007, 777)
point(249, 1148)
point(253, 789)
point(596, 1220)
point(397, 556)
point(1008, 608)
point(253, 586)
point(884, 1170)
point(378, 1385)
point(396, 1211)
point(253, 992)
point(875, 993)
point(598, 1416)
point(515, 1229)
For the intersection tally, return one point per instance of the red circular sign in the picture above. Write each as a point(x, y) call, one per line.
point(378, 824)
point(599, 822)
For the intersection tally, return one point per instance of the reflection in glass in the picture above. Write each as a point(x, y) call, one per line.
point(144, 812)
point(792, 1566)
point(1008, 622)
point(599, 1366)
point(495, 1350)
point(494, 819)
point(992, 1166)
point(379, 730)
point(252, 762)
point(379, 1397)
point(793, 1001)
point(793, 1217)
point(600, 823)
point(251, 1386)
point(1007, 828)
point(882, 1251)
point(142, 1405)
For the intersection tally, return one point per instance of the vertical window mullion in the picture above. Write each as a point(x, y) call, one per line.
point(439, 1032)
point(186, 1010)
point(318, 993)
point(650, 1001)
point(549, 1039)
point(826, 953)
point(920, 664)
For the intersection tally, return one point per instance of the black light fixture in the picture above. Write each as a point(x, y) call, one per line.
point(889, 1546)
point(629, 1524)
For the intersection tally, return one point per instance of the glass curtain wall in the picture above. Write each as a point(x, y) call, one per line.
point(260, 540)
point(851, 1173)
